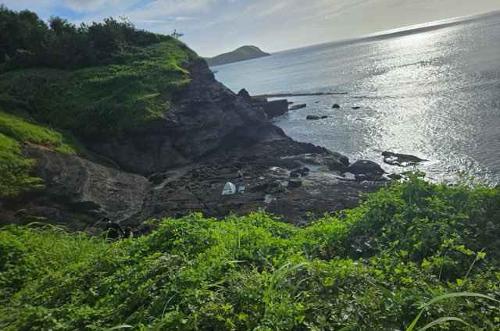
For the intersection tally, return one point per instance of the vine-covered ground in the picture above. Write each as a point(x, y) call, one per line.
point(369, 268)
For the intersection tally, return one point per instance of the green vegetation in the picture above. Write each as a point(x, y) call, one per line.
point(91, 81)
point(15, 169)
point(14, 166)
point(370, 268)
point(96, 80)
point(21, 130)
point(105, 100)
point(27, 41)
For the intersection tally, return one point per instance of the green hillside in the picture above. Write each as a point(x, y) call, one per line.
point(15, 167)
point(95, 80)
point(369, 268)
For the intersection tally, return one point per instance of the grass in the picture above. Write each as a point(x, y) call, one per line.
point(15, 167)
point(106, 100)
point(24, 131)
point(371, 268)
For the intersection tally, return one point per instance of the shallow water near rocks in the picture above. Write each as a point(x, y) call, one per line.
point(433, 94)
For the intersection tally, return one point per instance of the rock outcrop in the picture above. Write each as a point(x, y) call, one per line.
point(203, 115)
point(402, 160)
point(180, 164)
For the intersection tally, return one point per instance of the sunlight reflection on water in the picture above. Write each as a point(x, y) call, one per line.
point(433, 94)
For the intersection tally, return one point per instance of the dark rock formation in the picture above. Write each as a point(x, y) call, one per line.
point(206, 108)
point(275, 108)
point(180, 164)
point(312, 117)
point(402, 160)
point(299, 106)
point(366, 170)
point(272, 109)
point(80, 191)
point(336, 106)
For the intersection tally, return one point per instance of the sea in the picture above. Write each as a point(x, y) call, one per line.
point(431, 90)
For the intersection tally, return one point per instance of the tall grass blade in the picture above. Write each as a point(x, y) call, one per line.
point(443, 320)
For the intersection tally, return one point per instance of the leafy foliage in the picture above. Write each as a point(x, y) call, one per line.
point(27, 41)
point(369, 268)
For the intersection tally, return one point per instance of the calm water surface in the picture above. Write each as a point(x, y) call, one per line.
point(434, 94)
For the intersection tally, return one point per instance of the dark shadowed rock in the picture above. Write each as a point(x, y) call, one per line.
point(355, 107)
point(337, 162)
point(402, 160)
point(243, 93)
point(205, 107)
point(366, 170)
point(275, 108)
point(294, 183)
point(312, 117)
point(79, 186)
point(336, 106)
point(302, 172)
point(299, 106)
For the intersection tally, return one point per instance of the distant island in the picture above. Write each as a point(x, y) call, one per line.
point(241, 54)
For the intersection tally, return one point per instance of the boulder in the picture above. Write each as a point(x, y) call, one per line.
point(302, 172)
point(355, 107)
point(90, 188)
point(336, 162)
point(402, 160)
point(299, 106)
point(336, 106)
point(312, 117)
point(275, 108)
point(366, 170)
point(243, 93)
point(294, 183)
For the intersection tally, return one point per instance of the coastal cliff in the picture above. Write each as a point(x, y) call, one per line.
point(151, 134)
point(183, 190)
point(179, 163)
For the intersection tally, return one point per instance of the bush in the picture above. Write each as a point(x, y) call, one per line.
point(253, 272)
point(27, 41)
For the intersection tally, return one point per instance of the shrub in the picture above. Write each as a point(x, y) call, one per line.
point(254, 272)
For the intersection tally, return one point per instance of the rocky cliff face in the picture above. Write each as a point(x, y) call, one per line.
point(179, 164)
point(204, 114)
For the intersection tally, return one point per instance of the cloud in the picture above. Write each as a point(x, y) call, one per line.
point(213, 26)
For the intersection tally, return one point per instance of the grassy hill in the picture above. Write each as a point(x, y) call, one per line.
point(59, 81)
point(241, 54)
point(369, 268)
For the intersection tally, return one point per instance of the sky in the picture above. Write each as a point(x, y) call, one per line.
point(211, 27)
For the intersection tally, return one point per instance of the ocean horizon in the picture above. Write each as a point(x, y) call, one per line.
point(429, 90)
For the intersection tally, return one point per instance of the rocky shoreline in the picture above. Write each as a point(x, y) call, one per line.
point(181, 164)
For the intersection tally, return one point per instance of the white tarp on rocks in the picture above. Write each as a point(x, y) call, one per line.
point(229, 189)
